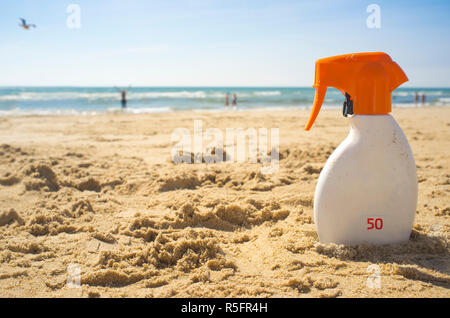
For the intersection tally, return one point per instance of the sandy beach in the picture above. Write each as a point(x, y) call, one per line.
point(101, 193)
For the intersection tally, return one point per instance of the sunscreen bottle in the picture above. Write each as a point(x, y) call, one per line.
point(367, 190)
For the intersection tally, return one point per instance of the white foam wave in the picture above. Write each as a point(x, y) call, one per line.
point(412, 93)
point(75, 112)
point(403, 94)
point(181, 94)
point(45, 112)
point(48, 96)
point(268, 93)
point(148, 110)
point(35, 96)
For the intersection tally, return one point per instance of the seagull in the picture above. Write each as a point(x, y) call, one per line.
point(25, 25)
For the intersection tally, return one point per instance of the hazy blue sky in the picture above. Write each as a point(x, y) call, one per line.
point(215, 43)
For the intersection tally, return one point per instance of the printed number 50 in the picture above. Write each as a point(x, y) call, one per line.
point(374, 223)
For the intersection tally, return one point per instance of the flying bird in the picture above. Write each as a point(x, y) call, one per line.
point(25, 25)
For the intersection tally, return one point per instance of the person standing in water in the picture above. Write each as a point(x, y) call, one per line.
point(227, 99)
point(416, 98)
point(234, 102)
point(423, 98)
point(123, 96)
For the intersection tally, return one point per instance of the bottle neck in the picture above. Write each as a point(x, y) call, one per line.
point(368, 124)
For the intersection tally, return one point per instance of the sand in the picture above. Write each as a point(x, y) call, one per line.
point(100, 196)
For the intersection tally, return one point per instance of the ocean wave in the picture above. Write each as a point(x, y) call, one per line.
point(89, 100)
point(181, 94)
point(267, 93)
point(412, 93)
point(115, 96)
point(403, 94)
point(146, 110)
point(46, 112)
point(68, 112)
point(49, 96)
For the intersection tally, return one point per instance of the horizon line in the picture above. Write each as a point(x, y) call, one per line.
point(181, 86)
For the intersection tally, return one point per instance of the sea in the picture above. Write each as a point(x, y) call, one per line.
point(18, 101)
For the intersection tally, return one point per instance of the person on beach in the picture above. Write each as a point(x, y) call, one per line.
point(416, 98)
point(123, 96)
point(227, 99)
point(234, 102)
point(423, 98)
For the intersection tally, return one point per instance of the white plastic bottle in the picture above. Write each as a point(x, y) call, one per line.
point(367, 190)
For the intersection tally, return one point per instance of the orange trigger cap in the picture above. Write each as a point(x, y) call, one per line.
point(367, 78)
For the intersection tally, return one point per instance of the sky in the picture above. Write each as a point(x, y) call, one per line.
point(215, 43)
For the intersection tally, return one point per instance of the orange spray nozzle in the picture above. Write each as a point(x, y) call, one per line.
point(319, 96)
point(366, 79)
